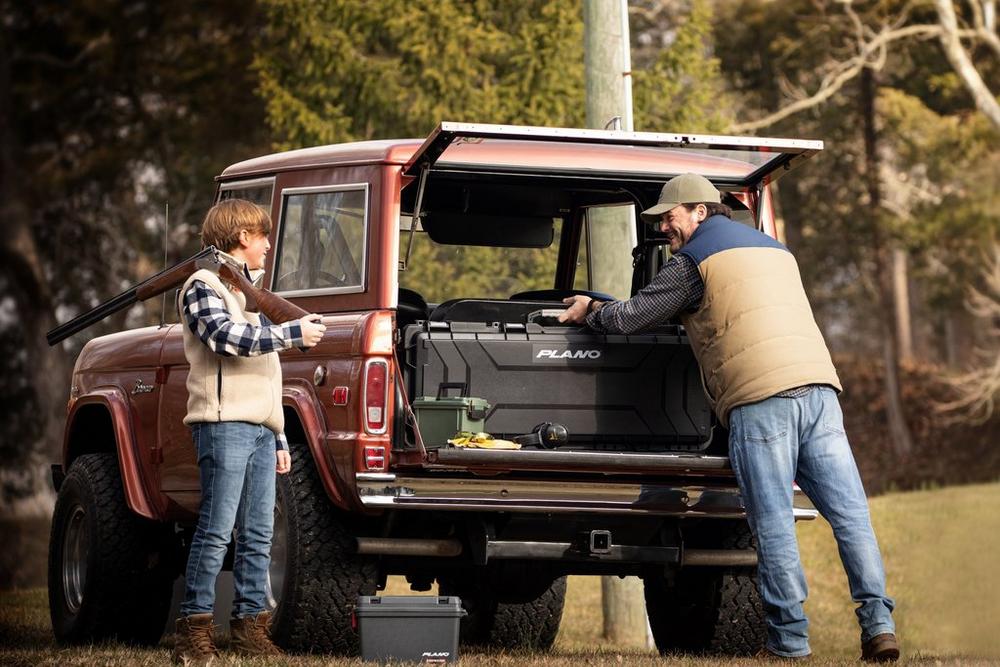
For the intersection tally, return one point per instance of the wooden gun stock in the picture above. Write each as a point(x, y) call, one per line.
point(275, 308)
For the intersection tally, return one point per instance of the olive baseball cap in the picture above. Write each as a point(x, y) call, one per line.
point(683, 189)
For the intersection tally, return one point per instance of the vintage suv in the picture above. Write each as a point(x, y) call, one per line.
point(642, 486)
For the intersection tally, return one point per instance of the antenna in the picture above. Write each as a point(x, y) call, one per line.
point(166, 239)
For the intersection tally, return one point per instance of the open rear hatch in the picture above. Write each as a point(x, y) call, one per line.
point(745, 162)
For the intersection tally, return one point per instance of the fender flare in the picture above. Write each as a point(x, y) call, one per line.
point(302, 401)
point(114, 401)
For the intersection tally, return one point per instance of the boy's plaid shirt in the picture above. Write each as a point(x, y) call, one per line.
point(206, 315)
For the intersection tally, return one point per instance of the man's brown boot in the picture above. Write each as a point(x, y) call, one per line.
point(193, 645)
point(880, 648)
point(251, 635)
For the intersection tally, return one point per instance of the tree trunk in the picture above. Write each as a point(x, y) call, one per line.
point(901, 298)
point(899, 432)
point(49, 369)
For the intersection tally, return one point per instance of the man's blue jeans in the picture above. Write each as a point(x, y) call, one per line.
point(237, 464)
point(771, 444)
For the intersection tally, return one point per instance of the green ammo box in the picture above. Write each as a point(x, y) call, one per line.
point(441, 417)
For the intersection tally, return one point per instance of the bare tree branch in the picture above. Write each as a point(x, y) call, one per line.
point(984, 20)
point(871, 54)
point(872, 51)
point(959, 59)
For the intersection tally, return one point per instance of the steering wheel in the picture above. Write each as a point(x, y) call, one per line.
point(329, 278)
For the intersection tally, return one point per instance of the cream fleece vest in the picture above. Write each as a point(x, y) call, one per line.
point(754, 334)
point(243, 389)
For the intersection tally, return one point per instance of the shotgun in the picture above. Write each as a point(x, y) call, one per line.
point(275, 308)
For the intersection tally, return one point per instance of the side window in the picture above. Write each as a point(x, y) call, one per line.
point(321, 244)
point(738, 201)
point(259, 191)
point(609, 249)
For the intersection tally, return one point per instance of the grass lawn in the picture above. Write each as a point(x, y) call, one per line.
point(940, 547)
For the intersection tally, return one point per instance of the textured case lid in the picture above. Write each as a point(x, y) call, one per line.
point(409, 605)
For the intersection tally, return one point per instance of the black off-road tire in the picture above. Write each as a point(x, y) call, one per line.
point(323, 575)
point(106, 577)
point(531, 625)
point(709, 610)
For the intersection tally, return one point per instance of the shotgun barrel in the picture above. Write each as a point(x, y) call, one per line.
point(274, 307)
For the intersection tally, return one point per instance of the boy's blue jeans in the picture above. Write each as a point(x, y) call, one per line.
point(237, 464)
point(771, 444)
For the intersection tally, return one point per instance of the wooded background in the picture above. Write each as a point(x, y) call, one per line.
point(109, 110)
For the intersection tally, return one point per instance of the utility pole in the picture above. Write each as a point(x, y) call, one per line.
point(611, 230)
point(611, 235)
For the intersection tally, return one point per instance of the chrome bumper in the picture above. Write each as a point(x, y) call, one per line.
point(391, 491)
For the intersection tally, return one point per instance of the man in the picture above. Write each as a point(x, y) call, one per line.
point(236, 419)
point(771, 381)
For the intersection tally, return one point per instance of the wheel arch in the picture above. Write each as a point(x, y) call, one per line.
point(304, 424)
point(101, 422)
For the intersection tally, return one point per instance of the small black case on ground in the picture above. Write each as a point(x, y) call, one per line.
point(415, 628)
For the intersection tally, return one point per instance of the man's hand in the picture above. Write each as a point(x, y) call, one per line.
point(577, 311)
point(312, 330)
point(284, 461)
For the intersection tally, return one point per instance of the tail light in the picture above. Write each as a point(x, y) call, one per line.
point(376, 395)
point(375, 458)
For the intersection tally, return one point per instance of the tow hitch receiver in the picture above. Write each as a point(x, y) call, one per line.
point(600, 541)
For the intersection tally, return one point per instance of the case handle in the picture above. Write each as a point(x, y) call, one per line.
point(545, 315)
point(445, 386)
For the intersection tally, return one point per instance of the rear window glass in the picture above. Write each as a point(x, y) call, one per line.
point(321, 244)
point(258, 191)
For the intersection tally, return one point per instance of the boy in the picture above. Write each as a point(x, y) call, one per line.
point(236, 419)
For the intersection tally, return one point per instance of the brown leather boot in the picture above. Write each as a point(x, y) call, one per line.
point(251, 635)
point(880, 648)
point(193, 645)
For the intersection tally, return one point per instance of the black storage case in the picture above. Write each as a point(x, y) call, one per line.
point(612, 392)
point(404, 628)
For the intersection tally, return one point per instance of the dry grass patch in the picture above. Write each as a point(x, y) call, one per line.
point(940, 550)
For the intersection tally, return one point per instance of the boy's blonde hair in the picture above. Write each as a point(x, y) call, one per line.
point(224, 222)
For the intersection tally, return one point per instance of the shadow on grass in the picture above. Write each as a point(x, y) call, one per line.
point(23, 636)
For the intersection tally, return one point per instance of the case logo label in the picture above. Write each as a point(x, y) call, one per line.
point(550, 353)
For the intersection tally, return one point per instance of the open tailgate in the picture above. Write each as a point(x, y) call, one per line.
point(733, 161)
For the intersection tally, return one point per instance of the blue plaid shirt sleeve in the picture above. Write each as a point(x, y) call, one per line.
point(678, 287)
point(206, 315)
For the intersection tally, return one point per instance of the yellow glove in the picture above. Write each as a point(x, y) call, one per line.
point(481, 441)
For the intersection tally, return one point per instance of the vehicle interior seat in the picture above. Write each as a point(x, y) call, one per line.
point(410, 308)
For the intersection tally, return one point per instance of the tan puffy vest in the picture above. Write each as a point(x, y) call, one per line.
point(754, 334)
point(244, 389)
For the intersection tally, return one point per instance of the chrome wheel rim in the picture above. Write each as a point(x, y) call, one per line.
point(74, 561)
point(279, 558)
